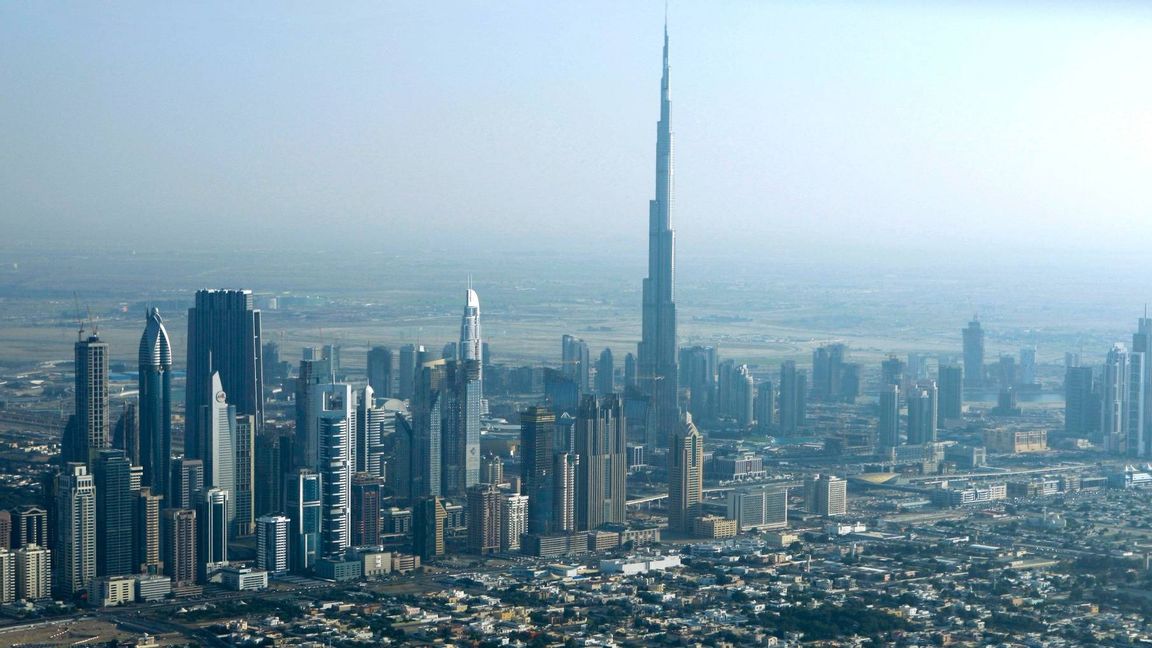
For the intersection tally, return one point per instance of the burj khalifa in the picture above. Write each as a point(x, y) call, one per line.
point(656, 371)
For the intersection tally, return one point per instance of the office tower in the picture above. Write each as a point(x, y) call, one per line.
point(331, 431)
point(765, 406)
point(367, 503)
point(368, 456)
point(575, 362)
point(601, 472)
point(892, 371)
point(155, 383)
point(973, 355)
point(917, 367)
point(179, 545)
point(224, 339)
point(331, 353)
point(685, 477)
point(115, 504)
point(75, 529)
point(471, 344)
point(126, 433)
point(187, 483)
point(849, 382)
point(698, 366)
point(793, 398)
point(537, 429)
point(828, 372)
point(758, 508)
point(274, 372)
point(1081, 404)
point(425, 431)
point(305, 445)
point(382, 371)
point(273, 461)
point(30, 526)
point(492, 470)
point(657, 372)
point(736, 392)
point(1142, 344)
point(89, 432)
point(449, 351)
point(1114, 394)
point(923, 414)
point(460, 432)
point(217, 439)
point(826, 495)
point(1006, 372)
point(408, 366)
point(135, 478)
point(951, 392)
point(146, 532)
point(428, 521)
point(484, 504)
point(33, 573)
point(304, 503)
point(7, 576)
point(513, 520)
point(213, 521)
point(605, 367)
point(629, 370)
point(565, 468)
point(561, 392)
point(272, 544)
point(5, 530)
point(244, 521)
point(1027, 374)
point(888, 432)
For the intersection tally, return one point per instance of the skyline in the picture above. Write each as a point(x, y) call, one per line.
point(197, 121)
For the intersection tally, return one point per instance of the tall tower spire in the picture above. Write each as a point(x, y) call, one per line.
point(657, 371)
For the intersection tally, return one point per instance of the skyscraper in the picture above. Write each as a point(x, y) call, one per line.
point(1142, 344)
point(973, 355)
point(115, 505)
point(428, 521)
point(605, 367)
point(126, 433)
point(1081, 404)
point(951, 392)
point(217, 448)
point(657, 373)
point(369, 442)
point(765, 406)
point(178, 545)
point(537, 428)
point(685, 477)
point(332, 429)
point(155, 382)
point(461, 428)
point(888, 435)
point(75, 529)
point(304, 494)
point(382, 371)
point(923, 414)
point(30, 526)
point(187, 483)
point(409, 365)
point(244, 518)
point(146, 534)
point(33, 573)
point(513, 520)
point(471, 344)
point(484, 508)
point(90, 432)
point(272, 543)
point(826, 495)
point(576, 362)
point(367, 503)
point(214, 527)
point(223, 338)
point(603, 466)
point(793, 398)
point(698, 365)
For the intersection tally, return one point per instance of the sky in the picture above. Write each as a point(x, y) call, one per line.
point(946, 129)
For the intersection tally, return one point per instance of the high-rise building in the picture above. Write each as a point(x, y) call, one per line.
point(224, 339)
point(513, 520)
point(1122, 406)
point(471, 343)
point(923, 414)
point(657, 373)
point(90, 431)
point(430, 406)
point(888, 432)
point(698, 366)
point(187, 483)
point(1081, 404)
point(685, 477)
point(565, 468)
point(217, 448)
point(575, 362)
point(115, 506)
point(382, 371)
point(765, 406)
point(214, 526)
point(369, 443)
point(367, 504)
point(1028, 366)
point(126, 433)
point(33, 573)
point(408, 368)
point(303, 490)
point(272, 543)
point(603, 464)
point(484, 504)
point(892, 371)
point(1142, 345)
point(951, 392)
point(75, 528)
point(244, 520)
point(428, 521)
point(630, 370)
point(605, 368)
point(758, 508)
point(831, 375)
point(332, 428)
point(973, 355)
point(146, 534)
point(826, 495)
point(7, 576)
point(30, 526)
point(537, 428)
point(5, 530)
point(492, 469)
point(273, 461)
point(155, 383)
point(793, 398)
point(179, 545)
point(460, 431)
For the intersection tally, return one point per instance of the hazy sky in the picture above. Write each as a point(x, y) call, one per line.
point(916, 126)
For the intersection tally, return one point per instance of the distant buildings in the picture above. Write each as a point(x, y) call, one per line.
point(973, 355)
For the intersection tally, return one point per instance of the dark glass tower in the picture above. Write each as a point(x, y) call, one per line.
point(155, 383)
point(88, 431)
point(973, 355)
point(115, 505)
point(224, 337)
point(656, 366)
point(537, 428)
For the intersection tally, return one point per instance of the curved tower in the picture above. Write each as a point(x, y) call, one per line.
point(657, 371)
point(155, 404)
